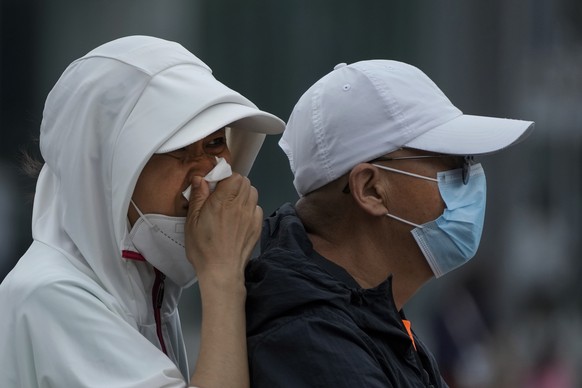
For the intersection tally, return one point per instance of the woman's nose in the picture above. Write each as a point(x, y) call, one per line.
point(201, 164)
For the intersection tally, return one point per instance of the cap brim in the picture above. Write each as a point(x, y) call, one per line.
point(218, 116)
point(473, 135)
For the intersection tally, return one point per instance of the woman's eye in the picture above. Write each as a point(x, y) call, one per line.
point(217, 142)
point(181, 155)
point(178, 154)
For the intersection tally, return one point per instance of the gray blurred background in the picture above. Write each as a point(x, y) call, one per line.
point(510, 318)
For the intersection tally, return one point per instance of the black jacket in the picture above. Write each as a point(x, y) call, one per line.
point(311, 325)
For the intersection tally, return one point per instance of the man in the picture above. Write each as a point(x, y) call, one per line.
point(389, 197)
point(93, 302)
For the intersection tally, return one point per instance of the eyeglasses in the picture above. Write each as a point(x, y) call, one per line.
point(468, 161)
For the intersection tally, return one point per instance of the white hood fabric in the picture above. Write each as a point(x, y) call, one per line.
point(74, 312)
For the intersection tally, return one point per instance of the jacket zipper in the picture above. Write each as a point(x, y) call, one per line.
point(157, 300)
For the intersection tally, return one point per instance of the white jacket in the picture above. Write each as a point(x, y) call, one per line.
point(75, 313)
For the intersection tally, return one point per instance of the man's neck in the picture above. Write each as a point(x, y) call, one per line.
point(369, 265)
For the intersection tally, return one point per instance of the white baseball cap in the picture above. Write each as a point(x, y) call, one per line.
point(367, 109)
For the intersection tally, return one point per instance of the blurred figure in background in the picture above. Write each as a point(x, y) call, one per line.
point(123, 221)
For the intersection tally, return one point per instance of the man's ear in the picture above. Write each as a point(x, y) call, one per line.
point(367, 190)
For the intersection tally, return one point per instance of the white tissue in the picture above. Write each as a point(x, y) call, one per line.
point(221, 171)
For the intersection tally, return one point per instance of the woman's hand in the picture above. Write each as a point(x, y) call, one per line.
point(223, 228)
point(221, 232)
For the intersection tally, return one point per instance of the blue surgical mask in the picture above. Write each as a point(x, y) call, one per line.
point(452, 239)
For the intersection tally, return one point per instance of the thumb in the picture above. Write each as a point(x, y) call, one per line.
point(198, 196)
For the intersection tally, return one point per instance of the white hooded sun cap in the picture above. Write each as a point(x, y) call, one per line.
point(367, 109)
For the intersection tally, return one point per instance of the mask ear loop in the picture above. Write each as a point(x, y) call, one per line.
point(406, 173)
point(148, 223)
point(409, 174)
point(403, 220)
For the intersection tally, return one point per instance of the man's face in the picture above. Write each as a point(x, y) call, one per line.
point(165, 176)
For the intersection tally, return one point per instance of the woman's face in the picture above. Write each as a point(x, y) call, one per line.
point(165, 176)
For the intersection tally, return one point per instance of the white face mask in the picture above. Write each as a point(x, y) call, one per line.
point(161, 239)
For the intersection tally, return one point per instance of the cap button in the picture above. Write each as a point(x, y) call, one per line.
point(340, 65)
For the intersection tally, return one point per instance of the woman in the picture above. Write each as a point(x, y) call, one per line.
point(125, 131)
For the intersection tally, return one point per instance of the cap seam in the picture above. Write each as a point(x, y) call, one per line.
point(151, 47)
point(320, 142)
point(387, 95)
